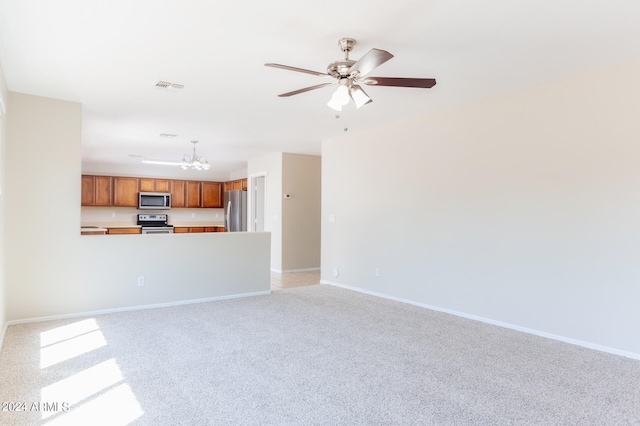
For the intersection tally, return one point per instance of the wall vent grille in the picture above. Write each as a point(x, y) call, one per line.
point(169, 86)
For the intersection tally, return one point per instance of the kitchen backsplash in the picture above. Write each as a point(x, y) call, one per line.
point(128, 215)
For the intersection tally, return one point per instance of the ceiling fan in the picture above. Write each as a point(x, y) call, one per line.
point(349, 74)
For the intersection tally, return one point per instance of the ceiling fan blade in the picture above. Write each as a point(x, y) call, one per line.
point(306, 89)
point(286, 67)
point(374, 58)
point(424, 83)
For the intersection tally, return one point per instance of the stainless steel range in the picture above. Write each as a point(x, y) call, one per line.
point(155, 224)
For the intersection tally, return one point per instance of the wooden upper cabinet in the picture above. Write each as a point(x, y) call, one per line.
point(154, 185)
point(88, 191)
point(96, 190)
point(194, 198)
point(104, 190)
point(119, 191)
point(125, 192)
point(162, 185)
point(212, 194)
point(147, 185)
point(236, 185)
point(178, 189)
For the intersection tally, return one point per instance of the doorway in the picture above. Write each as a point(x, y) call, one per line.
point(258, 201)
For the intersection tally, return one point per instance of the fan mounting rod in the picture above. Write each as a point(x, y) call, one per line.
point(346, 44)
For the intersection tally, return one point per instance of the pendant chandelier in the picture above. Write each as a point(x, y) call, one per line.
point(194, 162)
point(189, 162)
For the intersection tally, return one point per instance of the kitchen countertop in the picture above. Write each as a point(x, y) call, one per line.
point(111, 225)
point(196, 224)
point(105, 225)
point(92, 230)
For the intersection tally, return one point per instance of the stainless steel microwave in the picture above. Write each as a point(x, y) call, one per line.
point(154, 200)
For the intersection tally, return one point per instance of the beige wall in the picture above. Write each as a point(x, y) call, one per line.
point(4, 94)
point(520, 210)
point(51, 270)
point(43, 199)
point(301, 178)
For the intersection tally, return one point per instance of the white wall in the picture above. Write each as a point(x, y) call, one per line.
point(51, 270)
point(522, 209)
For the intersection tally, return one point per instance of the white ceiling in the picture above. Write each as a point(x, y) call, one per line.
point(108, 55)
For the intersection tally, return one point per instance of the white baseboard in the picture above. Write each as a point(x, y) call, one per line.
point(135, 308)
point(564, 339)
point(286, 271)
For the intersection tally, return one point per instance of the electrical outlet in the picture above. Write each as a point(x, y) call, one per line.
point(193, 215)
point(141, 281)
point(377, 272)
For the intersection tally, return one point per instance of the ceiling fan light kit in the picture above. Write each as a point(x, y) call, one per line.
point(349, 74)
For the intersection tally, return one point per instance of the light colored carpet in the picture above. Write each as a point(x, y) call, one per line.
point(315, 355)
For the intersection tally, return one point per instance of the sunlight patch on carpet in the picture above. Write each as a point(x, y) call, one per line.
point(90, 396)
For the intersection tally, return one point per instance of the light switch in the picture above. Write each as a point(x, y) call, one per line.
point(332, 218)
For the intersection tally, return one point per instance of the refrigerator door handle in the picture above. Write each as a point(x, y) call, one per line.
point(228, 217)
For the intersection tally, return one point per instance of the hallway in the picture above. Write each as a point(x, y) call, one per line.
point(294, 279)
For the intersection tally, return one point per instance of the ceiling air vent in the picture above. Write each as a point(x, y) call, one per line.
point(169, 86)
point(168, 135)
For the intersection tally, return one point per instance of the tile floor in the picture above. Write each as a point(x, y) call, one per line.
point(294, 279)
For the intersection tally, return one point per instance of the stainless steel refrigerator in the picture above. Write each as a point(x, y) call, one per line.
point(235, 213)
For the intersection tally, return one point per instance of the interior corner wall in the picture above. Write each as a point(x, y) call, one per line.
point(520, 210)
point(301, 178)
point(272, 166)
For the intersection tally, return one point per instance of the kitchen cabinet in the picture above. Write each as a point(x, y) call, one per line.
point(212, 194)
point(153, 185)
point(236, 185)
point(125, 192)
point(197, 229)
point(92, 230)
point(124, 231)
point(96, 190)
point(194, 198)
point(178, 189)
point(121, 191)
